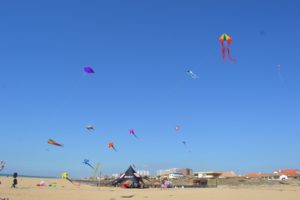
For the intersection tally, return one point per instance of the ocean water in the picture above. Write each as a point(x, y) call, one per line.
point(28, 176)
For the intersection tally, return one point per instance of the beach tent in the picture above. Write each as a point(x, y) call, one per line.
point(129, 179)
point(41, 183)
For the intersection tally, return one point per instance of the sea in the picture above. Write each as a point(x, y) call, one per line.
point(27, 176)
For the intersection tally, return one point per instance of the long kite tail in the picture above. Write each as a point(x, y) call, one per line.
point(74, 183)
point(223, 51)
point(228, 53)
point(91, 166)
point(69, 180)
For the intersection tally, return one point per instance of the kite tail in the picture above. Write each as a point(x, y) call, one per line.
point(91, 166)
point(74, 183)
point(194, 76)
point(228, 53)
point(69, 180)
point(223, 51)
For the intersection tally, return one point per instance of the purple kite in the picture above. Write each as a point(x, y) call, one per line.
point(131, 131)
point(89, 70)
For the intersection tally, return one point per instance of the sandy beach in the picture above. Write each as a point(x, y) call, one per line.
point(27, 190)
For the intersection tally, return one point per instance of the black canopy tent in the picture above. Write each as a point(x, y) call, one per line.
point(133, 179)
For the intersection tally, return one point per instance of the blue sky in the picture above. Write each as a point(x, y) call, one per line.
point(242, 116)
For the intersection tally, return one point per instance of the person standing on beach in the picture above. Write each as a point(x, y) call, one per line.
point(15, 181)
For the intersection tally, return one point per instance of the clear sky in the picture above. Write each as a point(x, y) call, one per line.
point(242, 116)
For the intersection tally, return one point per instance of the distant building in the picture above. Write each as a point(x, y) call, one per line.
point(230, 174)
point(143, 172)
point(273, 176)
point(176, 175)
point(276, 175)
point(252, 175)
point(266, 176)
point(291, 173)
point(183, 171)
point(213, 174)
point(207, 174)
point(115, 175)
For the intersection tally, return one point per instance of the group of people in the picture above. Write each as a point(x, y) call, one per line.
point(166, 184)
point(131, 184)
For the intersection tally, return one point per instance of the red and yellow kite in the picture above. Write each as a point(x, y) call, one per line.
point(226, 39)
point(50, 141)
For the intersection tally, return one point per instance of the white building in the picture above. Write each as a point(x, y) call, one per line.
point(166, 171)
point(115, 175)
point(143, 172)
point(176, 175)
point(207, 174)
point(184, 171)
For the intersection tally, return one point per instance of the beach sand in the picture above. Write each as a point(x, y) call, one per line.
point(27, 190)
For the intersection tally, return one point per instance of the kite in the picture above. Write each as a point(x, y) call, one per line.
point(131, 131)
point(65, 175)
point(87, 162)
point(185, 145)
point(177, 128)
point(50, 141)
point(90, 127)
point(191, 74)
point(111, 146)
point(226, 39)
point(89, 70)
point(2, 165)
